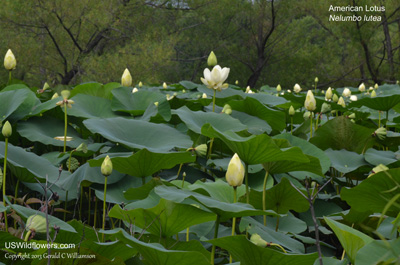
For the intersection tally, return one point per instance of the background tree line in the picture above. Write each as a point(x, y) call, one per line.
point(262, 41)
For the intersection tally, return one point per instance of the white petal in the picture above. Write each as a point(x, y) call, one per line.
point(216, 74)
point(207, 74)
point(224, 74)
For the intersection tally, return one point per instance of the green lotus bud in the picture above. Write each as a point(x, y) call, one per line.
point(164, 85)
point(346, 92)
point(328, 94)
point(247, 89)
point(376, 86)
point(184, 174)
point(323, 92)
point(7, 130)
point(237, 82)
point(257, 240)
point(65, 94)
point(380, 133)
point(82, 148)
point(310, 103)
point(291, 110)
point(378, 168)
point(126, 79)
point(204, 95)
point(183, 90)
point(278, 88)
point(297, 88)
point(106, 167)
point(361, 87)
point(370, 89)
point(316, 80)
point(45, 86)
point(156, 103)
point(335, 98)
point(325, 108)
point(9, 60)
point(212, 59)
point(373, 94)
point(134, 90)
point(55, 96)
point(36, 223)
point(201, 150)
point(306, 115)
point(140, 84)
point(352, 116)
point(235, 172)
point(227, 109)
point(341, 102)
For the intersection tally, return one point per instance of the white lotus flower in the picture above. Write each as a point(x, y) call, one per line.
point(215, 79)
point(361, 88)
point(310, 104)
point(297, 88)
point(346, 92)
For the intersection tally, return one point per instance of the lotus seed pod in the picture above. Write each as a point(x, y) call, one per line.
point(201, 150)
point(126, 79)
point(36, 223)
point(212, 59)
point(235, 173)
point(106, 167)
point(7, 130)
point(9, 60)
point(291, 111)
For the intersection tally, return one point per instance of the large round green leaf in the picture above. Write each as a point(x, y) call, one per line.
point(196, 119)
point(91, 107)
point(166, 219)
point(17, 103)
point(376, 157)
point(345, 161)
point(379, 252)
point(145, 163)
point(382, 103)
point(95, 89)
point(248, 253)
point(139, 134)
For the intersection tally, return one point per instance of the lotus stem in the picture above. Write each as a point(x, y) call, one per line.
point(95, 211)
point(234, 218)
point(80, 203)
point(214, 100)
point(4, 182)
point(316, 122)
point(187, 234)
point(65, 205)
point(104, 206)
point(89, 201)
point(215, 236)
point(387, 119)
point(311, 122)
point(9, 77)
point(279, 246)
point(291, 124)
point(15, 199)
point(379, 119)
point(277, 224)
point(65, 127)
point(27, 235)
point(210, 151)
point(264, 203)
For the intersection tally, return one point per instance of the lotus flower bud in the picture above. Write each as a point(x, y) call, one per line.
point(126, 79)
point(45, 86)
point(36, 223)
point(204, 95)
point(352, 116)
point(183, 90)
point(325, 108)
point(310, 104)
point(250, 92)
point(291, 110)
point(373, 94)
point(237, 82)
point(55, 96)
point(323, 92)
point(106, 167)
point(316, 80)
point(289, 91)
point(297, 88)
point(212, 59)
point(328, 94)
point(227, 109)
point(376, 86)
point(82, 148)
point(201, 150)
point(7, 130)
point(169, 97)
point(140, 84)
point(346, 92)
point(381, 133)
point(9, 60)
point(164, 85)
point(353, 98)
point(247, 89)
point(156, 103)
point(235, 173)
point(378, 168)
point(306, 115)
point(341, 102)
point(278, 88)
point(134, 90)
point(335, 98)
point(257, 240)
point(361, 87)
point(370, 89)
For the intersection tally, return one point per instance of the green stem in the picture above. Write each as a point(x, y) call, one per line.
point(291, 124)
point(95, 211)
point(27, 235)
point(187, 234)
point(264, 197)
point(80, 204)
point(104, 206)
point(316, 122)
point(15, 198)
point(183, 181)
point(215, 236)
point(379, 120)
point(234, 218)
point(179, 170)
point(387, 118)
point(65, 127)
point(246, 177)
point(277, 223)
point(210, 151)
point(9, 77)
point(214, 100)
point(315, 88)
point(4, 182)
point(311, 120)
